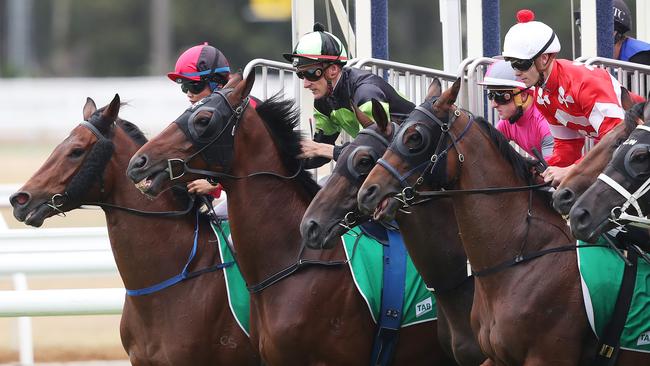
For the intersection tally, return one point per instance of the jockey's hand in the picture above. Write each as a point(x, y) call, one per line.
point(313, 149)
point(556, 174)
point(200, 186)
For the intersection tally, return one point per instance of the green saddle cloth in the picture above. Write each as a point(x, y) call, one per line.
point(602, 271)
point(366, 264)
point(238, 295)
point(367, 271)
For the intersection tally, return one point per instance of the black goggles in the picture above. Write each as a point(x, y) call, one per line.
point(501, 97)
point(312, 74)
point(521, 65)
point(194, 87)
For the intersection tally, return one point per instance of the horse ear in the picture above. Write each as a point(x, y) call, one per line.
point(234, 80)
point(363, 119)
point(89, 108)
point(112, 110)
point(243, 89)
point(448, 97)
point(382, 120)
point(646, 112)
point(435, 89)
point(453, 92)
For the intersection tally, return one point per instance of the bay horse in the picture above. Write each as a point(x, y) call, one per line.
point(302, 314)
point(189, 323)
point(528, 306)
point(618, 189)
point(442, 266)
point(584, 173)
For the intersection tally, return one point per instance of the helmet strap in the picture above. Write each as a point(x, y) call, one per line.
point(515, 117)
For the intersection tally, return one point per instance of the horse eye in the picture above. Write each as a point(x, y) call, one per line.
point(414, 140)
point(365, 163)
point(76, 152)
point(202, 121)
point(640, 156)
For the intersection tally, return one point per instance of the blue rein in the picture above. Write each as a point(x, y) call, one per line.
point(185, 274)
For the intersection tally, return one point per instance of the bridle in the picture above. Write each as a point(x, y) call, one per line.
point(58, 200)
point(619, 213)
point(355, 218)
point(226, 134)
point(427, 167)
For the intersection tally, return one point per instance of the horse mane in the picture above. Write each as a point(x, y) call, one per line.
point(521, 166)
point(282, 117)
point(133, 131)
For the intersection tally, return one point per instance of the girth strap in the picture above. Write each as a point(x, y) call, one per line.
point(392, 300)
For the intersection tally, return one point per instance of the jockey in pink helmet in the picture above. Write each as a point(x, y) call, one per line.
point(201, 70)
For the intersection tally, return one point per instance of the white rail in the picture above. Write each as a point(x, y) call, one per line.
point(61, 302)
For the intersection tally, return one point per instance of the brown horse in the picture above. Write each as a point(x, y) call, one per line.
point(189, 323)
point(301, 314)
point(599, 209)
point(441, 262)
point(584, 174)
point(528, 306)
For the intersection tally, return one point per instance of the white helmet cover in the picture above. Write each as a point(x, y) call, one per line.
point(500, 75)
point(529, 39)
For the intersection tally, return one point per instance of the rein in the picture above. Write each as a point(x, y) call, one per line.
point(299, 264)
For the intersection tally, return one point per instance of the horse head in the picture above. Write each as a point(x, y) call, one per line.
point(202, 136)
point(75, 171)
point(407, 159)
point(584, 174)
point(334, 209)
point(620, 187)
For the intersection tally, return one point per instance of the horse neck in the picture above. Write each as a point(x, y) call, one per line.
point(494, 227)
point(438, 259)
point(264, 212)
point(147, 250)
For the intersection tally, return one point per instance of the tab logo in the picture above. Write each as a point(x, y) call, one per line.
point(644, 339)
point(423, 307)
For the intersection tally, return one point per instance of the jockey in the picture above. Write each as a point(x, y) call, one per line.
point(319, 58)
point(520, 122)
point(200, 71)
point(627, 48)
point(576, 100)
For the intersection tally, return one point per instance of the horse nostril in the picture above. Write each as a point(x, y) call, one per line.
point(580, 218)
point(19, 199)
point(564, 199)
point(313, 230)
point(140, 162)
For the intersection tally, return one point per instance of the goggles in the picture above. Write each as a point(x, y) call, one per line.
point(194, 87)
point(503, 97)
point(521, 65)
point(312, 74)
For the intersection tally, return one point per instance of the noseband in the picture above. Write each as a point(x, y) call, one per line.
point(619, 213)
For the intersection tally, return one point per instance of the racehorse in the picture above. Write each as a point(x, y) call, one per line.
point(621, 186)
point(442, 266)
point(305, 307)
point(528, 306)
point(584, 174)
point(189, 323)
